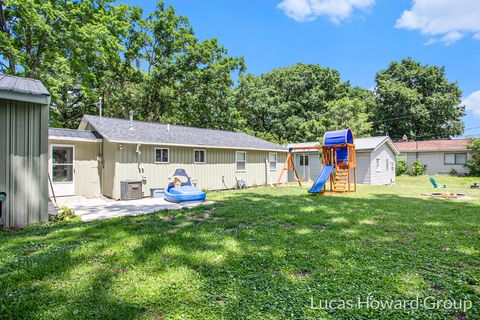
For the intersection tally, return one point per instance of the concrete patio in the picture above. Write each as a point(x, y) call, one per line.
point(89, 209)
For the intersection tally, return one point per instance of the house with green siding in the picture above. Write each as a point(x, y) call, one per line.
point(94, 159)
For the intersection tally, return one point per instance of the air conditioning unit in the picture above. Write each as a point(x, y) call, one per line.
point(131, 189)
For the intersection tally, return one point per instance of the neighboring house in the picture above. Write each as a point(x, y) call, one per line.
point(375, 160)
point(94, 159)
point(439, 156)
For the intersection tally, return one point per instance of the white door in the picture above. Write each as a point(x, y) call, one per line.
point(62, 169)
point(304, 167)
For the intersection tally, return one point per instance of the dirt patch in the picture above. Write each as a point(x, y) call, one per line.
point(320, 227)
point(122, 270)
point(287, 226)
point(437, 287)
point(168, 219)
point(460, 316)
point(303, 273)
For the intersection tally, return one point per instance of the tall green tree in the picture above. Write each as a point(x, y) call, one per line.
point(187, 81)
point(71, 46)
point(299, 103)
point(473, 164)
point(418, 101)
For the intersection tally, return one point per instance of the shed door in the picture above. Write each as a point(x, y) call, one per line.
point(62, 170)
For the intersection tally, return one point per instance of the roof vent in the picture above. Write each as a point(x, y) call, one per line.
point(131, 121)
point(405, 138)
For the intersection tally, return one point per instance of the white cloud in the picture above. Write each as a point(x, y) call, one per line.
point(472, 102)
point(444, 21)
point(336, 10)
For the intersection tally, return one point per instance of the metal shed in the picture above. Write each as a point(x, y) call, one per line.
point(23, 150)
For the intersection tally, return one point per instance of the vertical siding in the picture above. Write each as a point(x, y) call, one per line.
point(435, 162)
point(219, 163)
point(108, 172)
point(87, 168)
point(23, 154)
point(364, 168)
point(382, 176)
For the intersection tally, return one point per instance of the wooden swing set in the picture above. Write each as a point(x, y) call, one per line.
point(338, 158)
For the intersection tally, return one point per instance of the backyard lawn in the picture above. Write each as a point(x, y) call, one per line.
point(256, 254)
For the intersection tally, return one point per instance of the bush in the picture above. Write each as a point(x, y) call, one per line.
point(418, 168)
point(64, 214)
point(473, 164)
point(453, 173)
point(401, 167)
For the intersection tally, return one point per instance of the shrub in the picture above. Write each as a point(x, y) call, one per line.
point(401, 167)
point(64, 214)
point(418, 168)
point(453, 173)
point(473, 164)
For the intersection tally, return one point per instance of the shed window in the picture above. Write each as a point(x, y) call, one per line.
point(199, 156)
point(272, 159)
point(161, 155)
point(386, 164)
point(304, 160)
point(241, 160)
point(377, 166)
point(455, 158)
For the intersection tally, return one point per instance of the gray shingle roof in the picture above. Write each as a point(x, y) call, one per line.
point(117, 130)
point(69, 134)
point(22, 85)
point(361, 144)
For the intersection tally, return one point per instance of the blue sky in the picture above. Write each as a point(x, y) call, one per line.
point(356, 37)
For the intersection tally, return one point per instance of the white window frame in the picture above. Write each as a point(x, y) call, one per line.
point(387, 165)
point(236, 161)
point(204, 156)
point(455, 162)
point(377, 164)
point(270, 164)
point(155, 155)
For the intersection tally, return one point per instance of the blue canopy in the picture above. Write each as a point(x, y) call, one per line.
point(333, 138)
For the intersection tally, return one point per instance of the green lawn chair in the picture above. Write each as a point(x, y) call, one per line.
point(435, 185)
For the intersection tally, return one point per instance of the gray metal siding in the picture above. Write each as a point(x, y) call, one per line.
point(23, 155)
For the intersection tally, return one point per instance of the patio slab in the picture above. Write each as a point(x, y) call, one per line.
point(89, 209)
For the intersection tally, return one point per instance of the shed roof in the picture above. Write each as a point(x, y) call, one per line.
point(361, 144)
point(432, 145)
point(71, 134)
point(23, 89)
point(118, 130)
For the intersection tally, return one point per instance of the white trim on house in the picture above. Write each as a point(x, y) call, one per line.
point(155, 155)
point(270, 163)
point(71, 185)
point(204, 156)
point(236, 161)
point(73, 139)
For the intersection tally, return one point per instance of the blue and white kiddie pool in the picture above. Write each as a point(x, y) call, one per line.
point(186, 191)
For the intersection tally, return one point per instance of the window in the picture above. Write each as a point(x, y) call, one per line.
point(377, 164)
point(161, 155)
point(455, 158)
point(272, 159)
point(199, 156)
point(386, 164)
point(241, 160)
point(304, 160)
point(392, 166)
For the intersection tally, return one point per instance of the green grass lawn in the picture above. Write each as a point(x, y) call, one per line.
point(256, 254)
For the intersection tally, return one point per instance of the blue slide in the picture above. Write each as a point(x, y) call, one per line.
point(321, 179)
